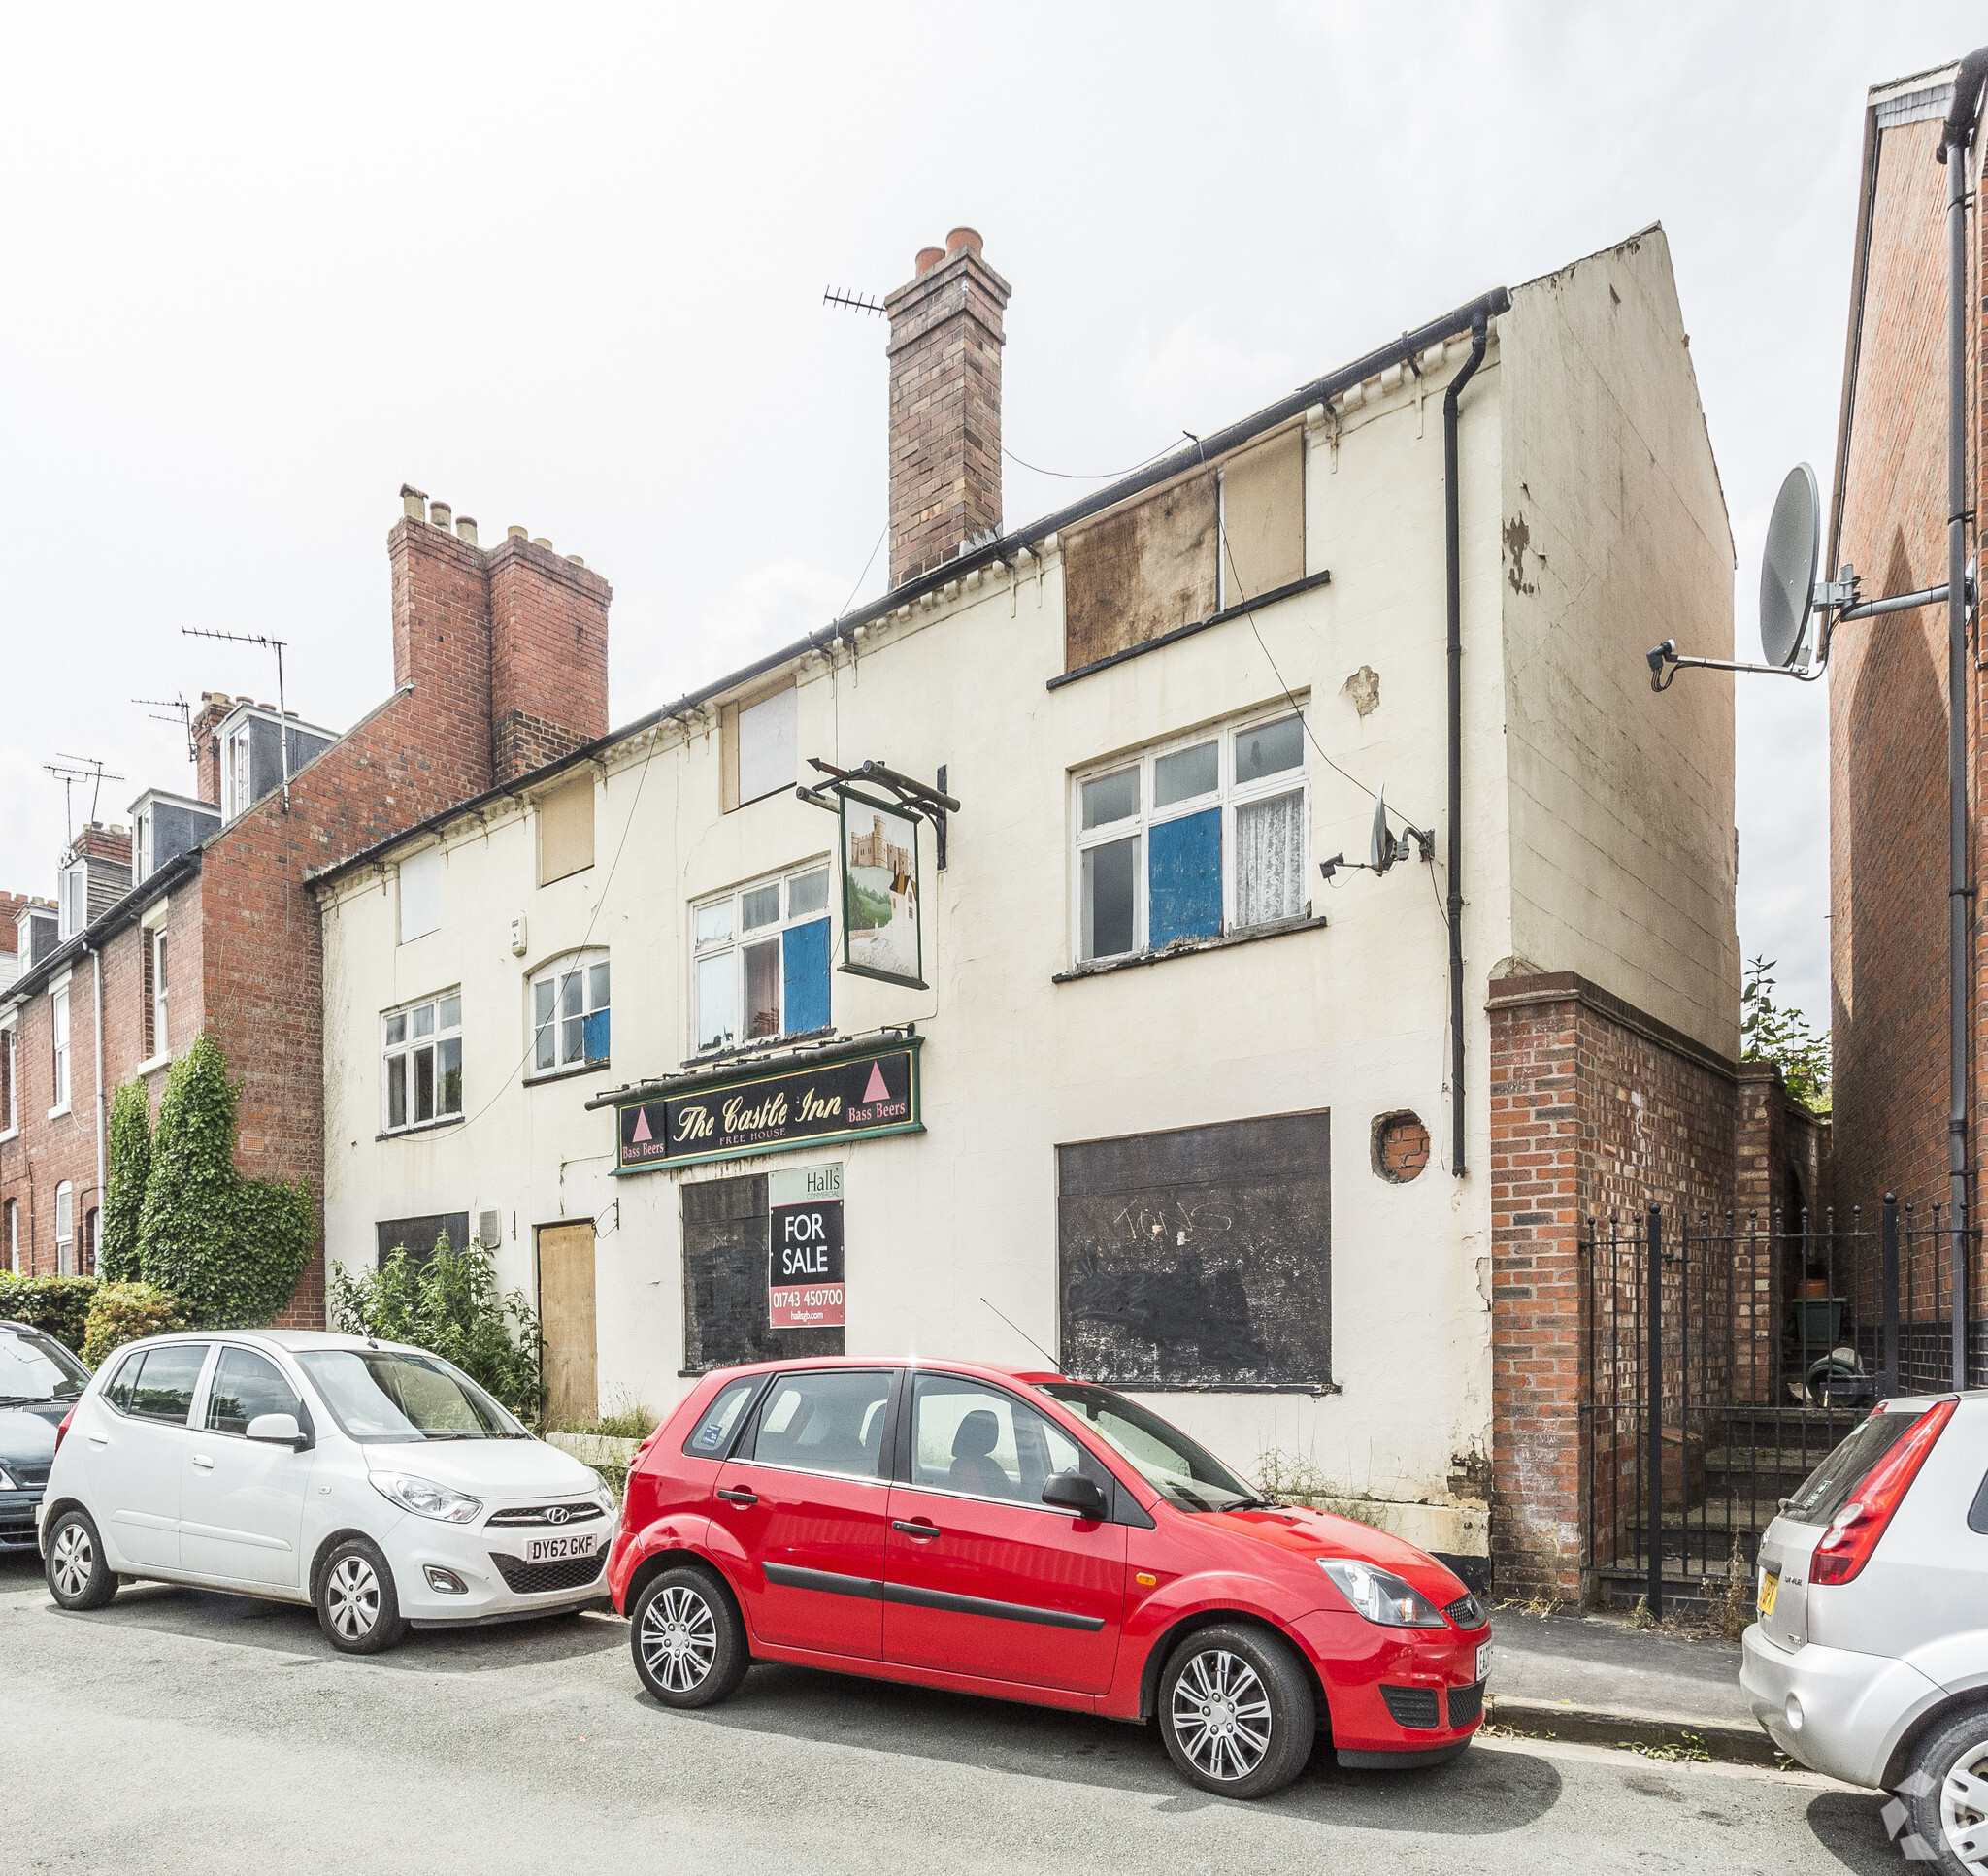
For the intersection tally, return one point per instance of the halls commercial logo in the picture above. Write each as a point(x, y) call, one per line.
point(853, 1095)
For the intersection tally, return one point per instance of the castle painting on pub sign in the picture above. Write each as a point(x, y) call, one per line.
point(880, 936)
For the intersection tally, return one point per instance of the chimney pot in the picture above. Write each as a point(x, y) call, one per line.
point(466, 528)
point(439, 512)
point(516, 533)
point(928, 259)
point(576, 560)
point(967, 238)
point(539, 541)
point(414, 503)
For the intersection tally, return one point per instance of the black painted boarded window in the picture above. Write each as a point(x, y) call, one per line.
point(725, 1314)
point(418, 1236)
point(1199, 1257)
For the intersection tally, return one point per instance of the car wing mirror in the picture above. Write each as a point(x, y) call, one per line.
point(1072, 1492)
point(278, 1429)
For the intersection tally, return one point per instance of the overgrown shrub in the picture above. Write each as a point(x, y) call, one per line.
point(130, 1153)
point(450, 1306)
point(229, 1248)
point(122, 1312)
point(59, 1307)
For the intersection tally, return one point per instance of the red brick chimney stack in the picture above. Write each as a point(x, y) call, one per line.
point(215, 705)
point(945, 341)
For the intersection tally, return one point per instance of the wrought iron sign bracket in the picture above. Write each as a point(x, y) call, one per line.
point(912, 797)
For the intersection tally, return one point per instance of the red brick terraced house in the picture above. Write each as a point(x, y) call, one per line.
point(198, 918)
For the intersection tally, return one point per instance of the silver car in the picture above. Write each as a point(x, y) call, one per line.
point(1869, 1659)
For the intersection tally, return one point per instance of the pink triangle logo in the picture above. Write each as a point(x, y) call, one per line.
point(876, 1091)
point(642, 1132)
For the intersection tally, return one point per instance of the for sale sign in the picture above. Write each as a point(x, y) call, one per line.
point(804, 1251)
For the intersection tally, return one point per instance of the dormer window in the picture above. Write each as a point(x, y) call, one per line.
point(73, 901)
point(141, 847)
point(238, 794)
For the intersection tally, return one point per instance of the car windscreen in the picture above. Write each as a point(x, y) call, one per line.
point(1188, 1475)
point(395, 1395)
point(1829, 1488)
point(36, 1368)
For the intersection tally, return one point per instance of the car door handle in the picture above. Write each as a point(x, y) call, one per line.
point(100, 1439)
point(738, 1495)
point(205, 1464)
point(919, 1530)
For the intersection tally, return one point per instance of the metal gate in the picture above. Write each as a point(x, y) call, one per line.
point(1725, 1358)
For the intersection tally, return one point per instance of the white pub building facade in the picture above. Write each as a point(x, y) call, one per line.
point(964, 979)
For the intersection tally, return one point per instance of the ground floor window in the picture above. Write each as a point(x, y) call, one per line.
point(1199, 1258)
point(421, 1236)
point(726, 1314)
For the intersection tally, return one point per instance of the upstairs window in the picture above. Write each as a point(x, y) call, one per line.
point(141, 853)
point(65, 1230)
point(9, 1120)
point(1191, 840)
point(422, 1062)
point(58, 1030)
point(566, 830)
point(238, 792)
point(420, 893)
point(157, 1040)
point(570, 1014)
point(759, 747)
point(760, 964)
point(73, 900)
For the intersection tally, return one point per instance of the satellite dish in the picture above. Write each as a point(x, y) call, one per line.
point(1788, 566)
point(1381, 852)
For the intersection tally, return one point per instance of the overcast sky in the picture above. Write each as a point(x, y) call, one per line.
point(564, 267)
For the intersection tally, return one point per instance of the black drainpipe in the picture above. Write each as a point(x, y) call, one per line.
point(1480, 333)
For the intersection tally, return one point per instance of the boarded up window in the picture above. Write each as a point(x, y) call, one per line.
point(1199, 1257)
point(1140, 573)
point(420, 893)
point(566, 831)
point(726, 1318)
point(1263, 518)
point(767, 732)
point(418, 1236)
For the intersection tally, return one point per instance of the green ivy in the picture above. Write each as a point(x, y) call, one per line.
point(130, 1150)
point(1782, 1035)
point(231, 1249)
point(449, 1305)
point(59, 1307)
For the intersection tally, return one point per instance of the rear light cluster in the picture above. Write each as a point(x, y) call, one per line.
point(1845, 1547)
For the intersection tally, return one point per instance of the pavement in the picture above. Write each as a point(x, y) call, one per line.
point(179, 1731)
point(1596, 1678)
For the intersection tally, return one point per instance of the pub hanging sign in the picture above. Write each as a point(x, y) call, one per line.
point(852, 1095)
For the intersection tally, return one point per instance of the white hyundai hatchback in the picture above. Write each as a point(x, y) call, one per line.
point(374, 1481)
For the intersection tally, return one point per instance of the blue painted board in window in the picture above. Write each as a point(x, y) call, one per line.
point(597, 1037)
point(804, 959)
point(1184, 877)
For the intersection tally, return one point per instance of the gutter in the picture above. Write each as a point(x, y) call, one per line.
point(1005, 552)
point(1453, 554)
point(168, 879)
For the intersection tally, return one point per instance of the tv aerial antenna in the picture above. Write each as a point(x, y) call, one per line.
point(854, 303)
point(69, 770)
point(1799, 611)
point(277, 646)
point(1385, 848)
point(182, 714)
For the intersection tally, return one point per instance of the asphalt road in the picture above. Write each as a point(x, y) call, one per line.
point(181, 1732)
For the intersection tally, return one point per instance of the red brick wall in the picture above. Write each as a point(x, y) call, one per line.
point(548, 657)
point(1888, 710)
point(1595, 1108)
point(945, 341)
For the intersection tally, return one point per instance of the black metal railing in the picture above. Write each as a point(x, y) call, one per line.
point(1725, 1356)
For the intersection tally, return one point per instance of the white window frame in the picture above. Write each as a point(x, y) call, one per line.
point(65, 1229)
point(406, 1047)
point(735, 941)
point(155, 937)
point(12, 1219)
point(554, 1033)
point(238, 773)
point(140, 849)
point(72, 900)
point(1228, 795)
point(58, 1048)
point(10, 1081)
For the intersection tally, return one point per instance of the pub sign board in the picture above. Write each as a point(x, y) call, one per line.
point(804, 1283)
point(882, 934)
point(853, 1095)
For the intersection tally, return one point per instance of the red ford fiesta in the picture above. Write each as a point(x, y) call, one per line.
point(1036, 1539)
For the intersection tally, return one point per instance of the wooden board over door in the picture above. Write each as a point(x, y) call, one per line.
point(566, 1310)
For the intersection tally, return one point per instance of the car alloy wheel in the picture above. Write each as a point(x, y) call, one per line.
point(1963, 1808)
point(352, 1594)
point(1221, 1715)
point(678, 1638)
point(71, 1559)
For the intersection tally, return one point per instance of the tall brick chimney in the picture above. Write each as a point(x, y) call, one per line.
point(215, 705)
point(506, 647)
point(945, 342)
